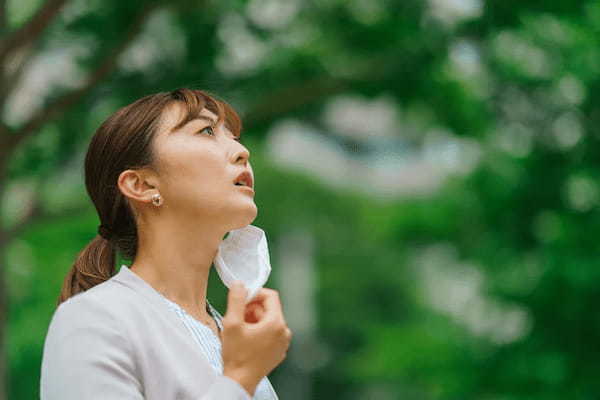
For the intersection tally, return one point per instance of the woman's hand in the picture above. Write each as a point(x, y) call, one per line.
point(254, 311)
point(255, 336)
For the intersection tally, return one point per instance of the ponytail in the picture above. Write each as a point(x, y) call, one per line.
point(94, 264)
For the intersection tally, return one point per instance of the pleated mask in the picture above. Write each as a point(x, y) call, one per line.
point(244, 256)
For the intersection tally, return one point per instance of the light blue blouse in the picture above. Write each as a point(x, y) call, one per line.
point(211, 345)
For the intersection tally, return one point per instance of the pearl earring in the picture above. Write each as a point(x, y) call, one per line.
point(156, 199)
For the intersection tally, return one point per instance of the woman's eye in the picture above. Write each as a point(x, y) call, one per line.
point(208, 128)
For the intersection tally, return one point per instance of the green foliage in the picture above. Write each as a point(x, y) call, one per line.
point(524, 223)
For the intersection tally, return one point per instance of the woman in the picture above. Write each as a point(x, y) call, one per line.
point(163, 174)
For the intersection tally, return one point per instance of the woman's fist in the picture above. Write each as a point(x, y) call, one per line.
point(255, 336)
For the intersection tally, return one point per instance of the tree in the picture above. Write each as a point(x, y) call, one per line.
point(518, 78)
point(114, 28)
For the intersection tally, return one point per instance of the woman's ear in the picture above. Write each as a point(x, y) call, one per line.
point(137, 184)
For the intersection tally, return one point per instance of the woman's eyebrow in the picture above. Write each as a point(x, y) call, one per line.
point(204, 117)
point(199, 117)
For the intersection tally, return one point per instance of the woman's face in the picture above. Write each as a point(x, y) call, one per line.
point(197, 167)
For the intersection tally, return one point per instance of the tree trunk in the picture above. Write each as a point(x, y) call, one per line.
point(4, 385)
point(3, 324)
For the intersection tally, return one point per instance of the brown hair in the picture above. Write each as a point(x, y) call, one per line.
point(124, 141)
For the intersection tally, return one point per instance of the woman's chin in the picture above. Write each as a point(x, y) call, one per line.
point(247, 217)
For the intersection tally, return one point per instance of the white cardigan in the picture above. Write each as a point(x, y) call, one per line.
point(119, 340)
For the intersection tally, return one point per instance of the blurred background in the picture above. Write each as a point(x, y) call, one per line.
point(426, 173)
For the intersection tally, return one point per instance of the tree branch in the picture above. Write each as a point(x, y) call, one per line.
point(13, 71)
point(32, 29)
point(5, 152)
point(4, 132)
point(68, 99)
point(292, 97)
point(2, 16)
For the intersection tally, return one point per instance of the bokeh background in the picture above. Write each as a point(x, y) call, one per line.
point(426, 172)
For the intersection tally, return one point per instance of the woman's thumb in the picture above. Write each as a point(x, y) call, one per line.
point(236, 302)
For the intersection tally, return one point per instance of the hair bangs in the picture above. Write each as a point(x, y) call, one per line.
point(197, 100)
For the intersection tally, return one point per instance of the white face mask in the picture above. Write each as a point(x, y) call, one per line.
point(243, 255)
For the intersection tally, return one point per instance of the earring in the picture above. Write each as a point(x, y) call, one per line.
point(156, 199)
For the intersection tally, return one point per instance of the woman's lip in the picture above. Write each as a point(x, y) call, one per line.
point(246, 187)
point(247, 176)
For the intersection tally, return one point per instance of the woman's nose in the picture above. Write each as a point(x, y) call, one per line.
point(243, 154)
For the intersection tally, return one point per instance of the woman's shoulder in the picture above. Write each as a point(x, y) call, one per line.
point(103, 293)
point(102, 305)
point(87, 336)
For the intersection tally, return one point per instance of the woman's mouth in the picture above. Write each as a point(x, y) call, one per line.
point(244, 179)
